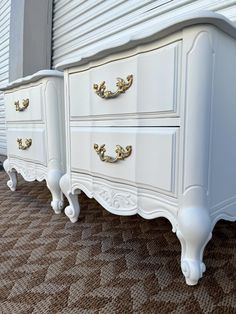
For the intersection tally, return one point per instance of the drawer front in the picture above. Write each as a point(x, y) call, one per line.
point(24, 104)
point(154, 88)
point(152, 163)
point(22, 148)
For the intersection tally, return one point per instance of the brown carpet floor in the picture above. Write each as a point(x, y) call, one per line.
point(103, 263)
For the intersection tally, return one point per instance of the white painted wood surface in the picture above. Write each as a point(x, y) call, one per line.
point(4, 65)
point(35, 110)
point(153, 99)
point(184, 171)
point(80, 25)
point(159, 145)
point(37, 152)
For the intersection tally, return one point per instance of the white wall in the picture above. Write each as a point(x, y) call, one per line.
point(79, 25)
point(4, 64)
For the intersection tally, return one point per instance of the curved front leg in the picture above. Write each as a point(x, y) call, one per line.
point(53, 179)
point(12, 175)
point(73, 210)
point(194, 232)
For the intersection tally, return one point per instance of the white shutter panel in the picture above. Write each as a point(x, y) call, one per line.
point(5, 6)
point(81, 24)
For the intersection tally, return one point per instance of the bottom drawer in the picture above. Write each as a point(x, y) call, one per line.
point(18, 146)
point(152, 162)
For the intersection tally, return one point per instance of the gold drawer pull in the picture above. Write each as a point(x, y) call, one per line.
point(25, 104)
point(122, 86)
point(23, 146)
point(121, 153)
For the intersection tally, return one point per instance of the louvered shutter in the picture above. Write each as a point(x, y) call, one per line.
point(82, 24)
point(5, 6)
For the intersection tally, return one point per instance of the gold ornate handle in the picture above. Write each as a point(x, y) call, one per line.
point(122, 86)
point(23, 146)
point(25, 104)
point(121, 153)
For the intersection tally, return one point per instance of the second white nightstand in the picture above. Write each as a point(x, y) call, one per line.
point(35, 131)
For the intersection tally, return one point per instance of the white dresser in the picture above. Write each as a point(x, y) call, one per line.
point(161, 139)
point(35, 131)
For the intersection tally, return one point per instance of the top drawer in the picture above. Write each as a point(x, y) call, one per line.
point(154, 90)
point(24, 104)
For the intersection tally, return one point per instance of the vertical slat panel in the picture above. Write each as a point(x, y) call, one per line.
point(5, 6)
point(79, 25)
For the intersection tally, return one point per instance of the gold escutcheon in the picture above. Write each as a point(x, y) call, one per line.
point(25, 104)
point(122, 86)
point(121, 153)
point(23, 145)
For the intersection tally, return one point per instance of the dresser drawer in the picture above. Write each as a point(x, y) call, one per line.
point(25, 104)
point(19, 144)
point(154, 89)
point(151, 164)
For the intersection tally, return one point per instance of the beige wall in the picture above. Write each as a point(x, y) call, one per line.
point(30, 37)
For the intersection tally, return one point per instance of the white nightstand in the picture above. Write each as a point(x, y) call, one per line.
point(35, 131)
point(161, 139)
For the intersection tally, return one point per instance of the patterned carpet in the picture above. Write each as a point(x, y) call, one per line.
point(103, 263)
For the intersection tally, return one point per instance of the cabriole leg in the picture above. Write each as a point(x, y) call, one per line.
point(12, 175)
point(194, 232)
point(73, 210)
point(53, 179)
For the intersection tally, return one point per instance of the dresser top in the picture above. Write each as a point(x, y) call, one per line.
point(31, 78)
point(148, 32)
